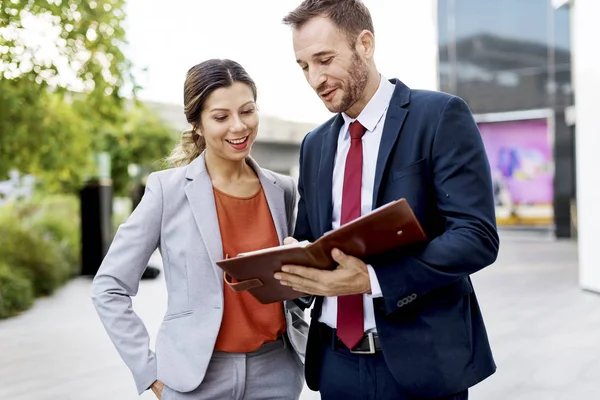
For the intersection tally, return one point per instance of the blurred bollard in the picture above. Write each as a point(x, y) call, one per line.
point(96, 198)
point(96, 227)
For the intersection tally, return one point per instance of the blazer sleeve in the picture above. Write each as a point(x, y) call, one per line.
point(464, 198)
point(302, 228)
point(118, 280)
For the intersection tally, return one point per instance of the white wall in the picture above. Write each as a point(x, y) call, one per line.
point(586, 76)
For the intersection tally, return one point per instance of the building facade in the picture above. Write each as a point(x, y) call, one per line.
point(511, 62)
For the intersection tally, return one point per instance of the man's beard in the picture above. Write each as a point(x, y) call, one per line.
point(358, 75)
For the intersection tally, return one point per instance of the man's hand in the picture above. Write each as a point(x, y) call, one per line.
point(350, 277)
point(157, 389)
point(289, 240)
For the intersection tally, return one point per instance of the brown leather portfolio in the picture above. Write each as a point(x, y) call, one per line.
point(389, 227)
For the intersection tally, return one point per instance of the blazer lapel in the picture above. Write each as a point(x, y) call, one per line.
point(275, 198)
point(325, 178)
point(199, 192)
point(394, 120)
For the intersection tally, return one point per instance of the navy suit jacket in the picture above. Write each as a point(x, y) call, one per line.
point(429, 322)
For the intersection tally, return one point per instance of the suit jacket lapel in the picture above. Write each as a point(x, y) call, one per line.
point(199, 192)
point(275, 198)
point(396, 114)
point(325, 177)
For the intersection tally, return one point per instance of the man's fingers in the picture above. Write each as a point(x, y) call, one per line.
point(339, 257)
point(287, 279)
point(302, 277)
point(289, 240)
point(303, 285)
point(295, 281)
point(306, 272)
point(292, 279)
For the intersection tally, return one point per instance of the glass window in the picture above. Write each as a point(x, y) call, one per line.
point(496, 54)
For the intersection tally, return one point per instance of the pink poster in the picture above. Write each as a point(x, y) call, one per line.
point(520, 156)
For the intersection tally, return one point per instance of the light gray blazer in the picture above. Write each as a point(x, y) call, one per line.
point(177, 214)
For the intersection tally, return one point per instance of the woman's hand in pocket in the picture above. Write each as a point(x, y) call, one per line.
point(157, 388)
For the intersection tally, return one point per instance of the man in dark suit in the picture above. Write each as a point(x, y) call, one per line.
point(406, 324)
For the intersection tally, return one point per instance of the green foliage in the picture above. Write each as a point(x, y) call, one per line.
point(63, 97)
point(41, 134)
point(87, 34)
point(60, 220)
point(32, 254)
point(57, 110)
point(39, 249)
point(16, 292)
point(56, 218)
point(144, 140)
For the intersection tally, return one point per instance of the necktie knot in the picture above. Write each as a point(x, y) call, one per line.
point(357, 131)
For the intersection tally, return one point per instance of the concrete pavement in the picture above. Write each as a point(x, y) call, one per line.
point(544, 330)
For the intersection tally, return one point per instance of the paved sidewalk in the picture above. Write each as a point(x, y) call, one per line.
point(544, 330)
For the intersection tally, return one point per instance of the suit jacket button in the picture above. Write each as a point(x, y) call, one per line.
point(404, 302)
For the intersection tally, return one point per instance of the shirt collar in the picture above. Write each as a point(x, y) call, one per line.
point(375, 108)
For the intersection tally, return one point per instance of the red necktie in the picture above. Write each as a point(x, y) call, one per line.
point(350, 327)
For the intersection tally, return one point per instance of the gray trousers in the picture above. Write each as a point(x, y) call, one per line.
point(272, 372)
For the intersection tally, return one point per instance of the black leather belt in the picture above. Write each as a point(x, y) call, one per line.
point(369, 344)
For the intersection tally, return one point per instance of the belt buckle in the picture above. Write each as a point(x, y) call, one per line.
point(371, 341)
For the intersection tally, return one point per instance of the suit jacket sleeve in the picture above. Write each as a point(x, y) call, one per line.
point(118, 280)
point(302, 230)
point(464, 197)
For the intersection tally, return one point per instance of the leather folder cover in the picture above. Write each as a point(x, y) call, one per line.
point(389, 227)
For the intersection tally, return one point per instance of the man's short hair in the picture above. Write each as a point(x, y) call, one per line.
point(350, 16)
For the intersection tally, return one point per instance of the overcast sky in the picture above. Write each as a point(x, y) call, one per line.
point(168, 40)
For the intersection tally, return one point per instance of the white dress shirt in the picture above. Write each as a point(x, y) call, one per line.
point(372, 118)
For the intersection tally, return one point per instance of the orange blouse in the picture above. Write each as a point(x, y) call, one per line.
point(246, 224)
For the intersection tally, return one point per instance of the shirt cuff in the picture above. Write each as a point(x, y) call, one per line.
point(375, 288)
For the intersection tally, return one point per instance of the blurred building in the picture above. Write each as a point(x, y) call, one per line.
point(530, 70)
point(511, 61)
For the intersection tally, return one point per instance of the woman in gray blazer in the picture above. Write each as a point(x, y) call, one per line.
point(217, 202)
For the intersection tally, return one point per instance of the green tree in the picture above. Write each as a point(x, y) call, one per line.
point(60, 105)
point(86, 40)
point(143, 139)
point(41, 134)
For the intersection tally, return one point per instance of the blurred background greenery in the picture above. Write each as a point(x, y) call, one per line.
point(52, 126)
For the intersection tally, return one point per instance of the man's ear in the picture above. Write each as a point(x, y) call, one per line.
point(365, 44)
